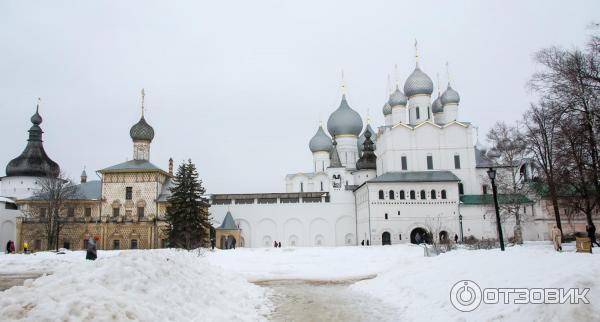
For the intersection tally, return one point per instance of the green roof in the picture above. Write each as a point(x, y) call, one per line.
point(489, 199)
point(416, 176)
point(133, 165)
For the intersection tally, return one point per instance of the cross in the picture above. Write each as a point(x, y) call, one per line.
point(143, 95)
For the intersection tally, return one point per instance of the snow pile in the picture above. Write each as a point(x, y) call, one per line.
point(149, 285)
point(420, 287)
point(43, 262)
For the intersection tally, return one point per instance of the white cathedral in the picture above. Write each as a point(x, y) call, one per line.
point(421, 173)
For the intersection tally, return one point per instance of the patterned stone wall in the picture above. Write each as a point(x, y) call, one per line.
point(146, 187)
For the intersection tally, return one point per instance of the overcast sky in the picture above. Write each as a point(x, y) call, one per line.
point(239, 86)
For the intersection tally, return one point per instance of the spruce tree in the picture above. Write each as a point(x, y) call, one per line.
point(187, 214)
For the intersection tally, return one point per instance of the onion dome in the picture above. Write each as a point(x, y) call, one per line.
point(387, 109)
point(142, 131)
point(450, 96)
point(344, 120)
point(397, 98)
point(320, 141)
point(361, 139)
point(436, 106)
point(418, 83)
point(368, 160)
point(33, 161)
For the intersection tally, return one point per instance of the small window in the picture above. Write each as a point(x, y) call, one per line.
point(398, 212)
point(404, 162)
point(386, 216)
point(43, 212)
point(116, 212)
point(457, 161)
point(140, 212)
point(418, 112)
point(128, 193)
point(88, 212)
point(402, 195)
point(433, 194)
point(413, 195)
point(392, 194)
point(461, 189)
point(443, 194)
point(321, 185)
point(116, 244)
point(524, 209)
point(66, 245)
point(134, 244)
point(301, 186)
point(71, 212)
point(485, 189)
point(423, 194)
point(381, 195)
point(429, 162)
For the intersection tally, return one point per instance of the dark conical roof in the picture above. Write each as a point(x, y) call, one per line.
point(228, 222)
point(33, 161)
point(334, 157)
point(368, 160)
point(142, 131)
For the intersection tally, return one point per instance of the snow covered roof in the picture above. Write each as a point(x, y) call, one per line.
point(416, 176)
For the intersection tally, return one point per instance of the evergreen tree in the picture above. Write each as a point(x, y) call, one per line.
point(187, 214)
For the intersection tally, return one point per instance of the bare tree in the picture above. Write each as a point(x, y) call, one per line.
point(511, 180)
point(55, 192)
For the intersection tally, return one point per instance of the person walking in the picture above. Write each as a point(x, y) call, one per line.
point(279, 244)
point(213, 242)
point(418, 238)
point(362, 243)
point(26, 248)
point(275, 243)
point(91, 253)
point(556, 238)
point(11, 247)
point(591, 232)
point(7, 250)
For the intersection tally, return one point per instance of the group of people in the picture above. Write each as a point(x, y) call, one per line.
point(10, 247)
point(277, 244)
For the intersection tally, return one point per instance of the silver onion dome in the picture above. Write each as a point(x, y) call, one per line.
point(361, 140)
point(418, 83)
point(344, 120)
point(397, 98)
point(387, 109)
point(320, 141)
point(142, 131)
point(436, 106)
point(450, 96)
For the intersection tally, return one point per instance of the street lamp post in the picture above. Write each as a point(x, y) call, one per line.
point(462, 238)
point(492, 174)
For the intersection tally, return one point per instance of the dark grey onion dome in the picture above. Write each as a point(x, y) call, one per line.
point(142, 131)
point(450, 96)
point(397, 98)
point(344, 120)
point(33, 161)
point(368, 160)
point(418, 83)
point(387, 109)
point(436, 106)
point(320, 141)
point(361, 139)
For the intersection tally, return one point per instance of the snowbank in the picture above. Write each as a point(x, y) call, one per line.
point(150, 285)
point(420, 287)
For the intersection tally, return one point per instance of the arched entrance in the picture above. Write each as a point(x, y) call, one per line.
point(419, 236)
point(230, 243)
point(386, 238)
point(443, 237)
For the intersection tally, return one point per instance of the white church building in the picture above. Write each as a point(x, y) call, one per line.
point(421, 172)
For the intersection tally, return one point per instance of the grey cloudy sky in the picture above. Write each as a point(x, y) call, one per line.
point(240, 86)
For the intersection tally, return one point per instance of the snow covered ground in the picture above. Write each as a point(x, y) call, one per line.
point(168, 285)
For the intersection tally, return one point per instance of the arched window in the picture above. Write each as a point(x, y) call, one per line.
point(423, 194)
point(461, 189)
point(402, 196)
point(386, 216)
point(321, 185)
point(433, 194)
point(443, 194)
point(413, 195)
point(418, 113)
point(381, 195)
point(301, 186)
point(392, 194)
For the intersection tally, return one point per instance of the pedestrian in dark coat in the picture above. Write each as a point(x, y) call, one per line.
point(591, 232)
point(11, 247)
point(362, 243)
point(455, 238)
point(91, 250)
point(275, 244)
point(213, 242)
point(8, 247)
point(279, 244)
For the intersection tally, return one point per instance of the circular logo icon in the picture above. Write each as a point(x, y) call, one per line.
point(465, 295)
